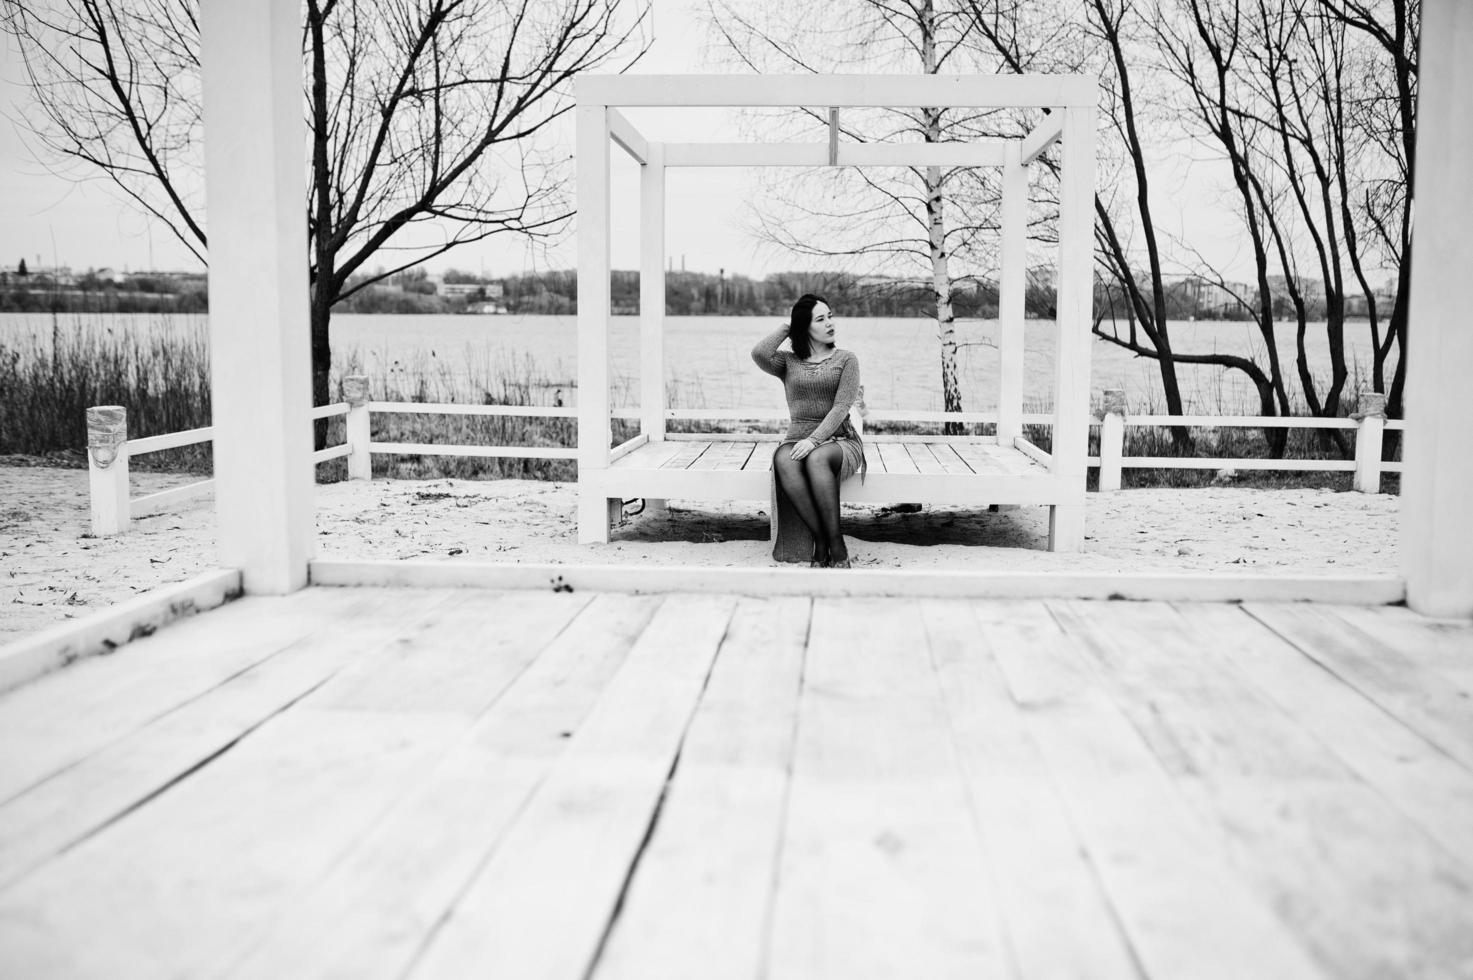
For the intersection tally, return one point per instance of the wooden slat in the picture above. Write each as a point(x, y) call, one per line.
point(925, 460)
point(539, 907)
point(371, 915)
point(265, 818)
point(699, 903)
point(895, 458)
point(1012, 461)
point(1059, 922)
point(882, 872)
point(760, 458)
point(104, 699)
point(1274, 792)
point(977, 458)
point(1413, 775)
point(85, 796)
point(1444, 645)
point(946, 456)
point(1164, 867)
point(686, 455)
point(724, 456)
point(1429, 701)
point(652, 455)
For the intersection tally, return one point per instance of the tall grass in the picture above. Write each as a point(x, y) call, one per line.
point(161, 376)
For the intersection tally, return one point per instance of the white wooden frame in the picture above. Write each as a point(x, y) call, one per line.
point(1070, 101)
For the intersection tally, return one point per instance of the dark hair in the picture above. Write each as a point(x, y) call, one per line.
point(799, 323)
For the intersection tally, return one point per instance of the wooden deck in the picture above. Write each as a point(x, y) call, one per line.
point(457, 783)
point(932, 469)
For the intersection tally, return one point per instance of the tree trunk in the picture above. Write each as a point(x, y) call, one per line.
point(321, 360)
point(951, 394)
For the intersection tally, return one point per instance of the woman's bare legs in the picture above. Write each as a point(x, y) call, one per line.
point(822, 467)
point(792, 477)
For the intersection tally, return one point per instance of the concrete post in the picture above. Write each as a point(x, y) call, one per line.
point(1112, 439)
point(358, 432)
point(1372, 418)
point(107, 468)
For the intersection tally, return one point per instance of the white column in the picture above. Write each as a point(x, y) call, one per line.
point(255, 184)
point(1436, 516)
point(1074, 306)
point(1011, 291)
point(652, 294)
point(593, 321)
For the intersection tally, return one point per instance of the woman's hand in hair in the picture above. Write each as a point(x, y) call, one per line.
point(803, 447)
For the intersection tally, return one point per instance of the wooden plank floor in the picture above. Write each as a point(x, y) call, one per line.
point(416, 783)
point(962, 457)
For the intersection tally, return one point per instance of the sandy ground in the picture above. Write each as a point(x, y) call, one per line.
point(51, 569)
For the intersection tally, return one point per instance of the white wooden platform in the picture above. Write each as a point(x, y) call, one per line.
point(929, 469)
point(452, 783)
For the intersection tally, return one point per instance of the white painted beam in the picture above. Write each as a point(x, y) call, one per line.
point(593, 317)
point(260, 375)
point(1074, 305)
point(1042, 137)
point(628, 137)
point(838, 91)
point(1436, 518)
point(652, 294)
point(1011, 290)
point(982, 153)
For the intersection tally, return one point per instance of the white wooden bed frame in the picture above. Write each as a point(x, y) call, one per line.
point(1005, 469)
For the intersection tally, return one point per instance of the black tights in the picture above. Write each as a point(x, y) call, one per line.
point(812, 484)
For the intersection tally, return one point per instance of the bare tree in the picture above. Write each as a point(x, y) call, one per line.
point(878, 221)
point(1111, 39)
point(424, 117)
point(1384, 114)
point(1274, 86)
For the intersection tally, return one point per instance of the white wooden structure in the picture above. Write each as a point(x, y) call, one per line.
point(251, 76)
point(1004, 469)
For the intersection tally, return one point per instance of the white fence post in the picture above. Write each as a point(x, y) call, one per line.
point(1112, 439)
point(357, 431)
point(1372, 418)
point(107, 468)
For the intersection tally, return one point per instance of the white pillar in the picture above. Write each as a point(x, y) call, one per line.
point(592, 150)
point(255, 185)
point(1075, 301)
point(1010, 299)
point(652, 304)
point(1436, 516)
point(107, 468)
point(652, 294)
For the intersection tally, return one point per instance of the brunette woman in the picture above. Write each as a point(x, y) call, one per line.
point(821, 448)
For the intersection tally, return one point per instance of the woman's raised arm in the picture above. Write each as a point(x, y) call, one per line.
point(768, 357)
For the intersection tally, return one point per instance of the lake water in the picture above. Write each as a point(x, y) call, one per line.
point(708, 363)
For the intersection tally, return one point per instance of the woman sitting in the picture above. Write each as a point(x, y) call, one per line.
point(821, 448)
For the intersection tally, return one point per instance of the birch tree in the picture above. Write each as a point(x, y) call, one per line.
point(905, 222)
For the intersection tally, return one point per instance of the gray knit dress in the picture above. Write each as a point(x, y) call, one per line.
point(819, 397)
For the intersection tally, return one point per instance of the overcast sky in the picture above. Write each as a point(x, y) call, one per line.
point(87, 224)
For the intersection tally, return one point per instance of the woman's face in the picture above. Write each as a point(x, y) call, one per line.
point(821, 329)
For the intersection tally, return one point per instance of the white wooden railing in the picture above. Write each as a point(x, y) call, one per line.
point(109, 448)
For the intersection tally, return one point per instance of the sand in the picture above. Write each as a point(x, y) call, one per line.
point(52, 569)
